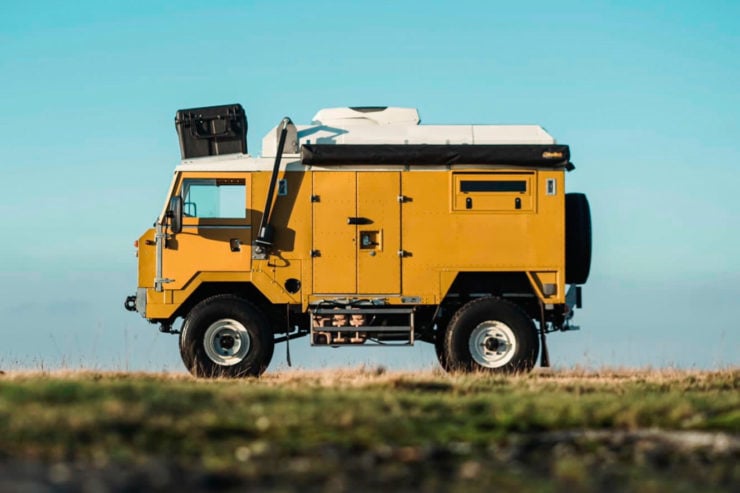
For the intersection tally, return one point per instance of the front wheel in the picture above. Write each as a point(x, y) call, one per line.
point(491, 334)
point(226, 336)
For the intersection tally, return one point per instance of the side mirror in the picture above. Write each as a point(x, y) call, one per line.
point(175, 214)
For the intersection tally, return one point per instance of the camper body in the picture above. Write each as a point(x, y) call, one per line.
point(365, 228)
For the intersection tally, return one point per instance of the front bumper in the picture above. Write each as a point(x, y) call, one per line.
point(137, 302)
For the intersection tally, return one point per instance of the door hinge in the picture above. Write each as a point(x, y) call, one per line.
point(404, 253)
point(402, 199)
point(315, 198)
point(159, 283)
point(315, 253)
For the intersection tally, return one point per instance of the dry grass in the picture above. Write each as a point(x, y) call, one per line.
point(372, 376)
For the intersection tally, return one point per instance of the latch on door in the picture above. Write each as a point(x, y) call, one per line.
point(369, 239)
point(359, 220)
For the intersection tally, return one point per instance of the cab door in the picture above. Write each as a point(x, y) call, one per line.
point(216, 231)
point(356, 232)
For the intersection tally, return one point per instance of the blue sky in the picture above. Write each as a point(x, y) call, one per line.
point(645, 93)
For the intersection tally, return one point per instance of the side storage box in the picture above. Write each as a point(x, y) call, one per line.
point(212, 131)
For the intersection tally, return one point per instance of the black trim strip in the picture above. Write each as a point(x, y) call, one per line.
point(493, 186)
point(552, 156)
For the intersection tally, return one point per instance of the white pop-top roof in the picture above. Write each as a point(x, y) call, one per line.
point(392, 125)
point(367, 115)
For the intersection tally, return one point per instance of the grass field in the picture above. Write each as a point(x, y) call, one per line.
point(366, 429)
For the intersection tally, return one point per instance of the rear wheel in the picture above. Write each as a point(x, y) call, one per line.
point(226, 336)
point(491, 334)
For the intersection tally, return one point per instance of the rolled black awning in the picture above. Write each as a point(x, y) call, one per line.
point(547, 155)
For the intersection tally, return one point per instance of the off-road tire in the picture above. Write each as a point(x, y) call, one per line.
point(577, 238)
point(496, 320)
point(243, 314)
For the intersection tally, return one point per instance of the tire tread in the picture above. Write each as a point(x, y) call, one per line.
point(191, 335)
point(457, 355)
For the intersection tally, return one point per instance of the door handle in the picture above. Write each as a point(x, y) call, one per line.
point(359, 220)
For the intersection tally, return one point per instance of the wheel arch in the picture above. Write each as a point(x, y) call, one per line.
point(245, 290)
point(513, 286)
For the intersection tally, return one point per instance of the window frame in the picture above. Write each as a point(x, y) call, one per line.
point(220, 221)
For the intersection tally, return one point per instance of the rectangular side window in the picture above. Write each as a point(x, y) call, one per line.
point(214, 198)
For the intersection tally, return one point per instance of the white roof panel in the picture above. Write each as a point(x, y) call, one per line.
point(389, 125)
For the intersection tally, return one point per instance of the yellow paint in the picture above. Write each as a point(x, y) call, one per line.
point(378, 243)
point(146, 259)
point(544, 283)
point(334, 242)
point(498, 201)
point(437, 230)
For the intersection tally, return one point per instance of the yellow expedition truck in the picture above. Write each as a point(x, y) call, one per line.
point(364, 228)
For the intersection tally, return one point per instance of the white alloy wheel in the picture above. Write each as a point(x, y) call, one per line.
point(226, 342)
point(492, 344)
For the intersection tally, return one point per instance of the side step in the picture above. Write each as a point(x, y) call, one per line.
point(357, 325)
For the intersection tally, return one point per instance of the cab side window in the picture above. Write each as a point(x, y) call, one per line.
point(214, 198)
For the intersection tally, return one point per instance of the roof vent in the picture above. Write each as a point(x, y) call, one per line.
point(368, 109)
point(367, 115)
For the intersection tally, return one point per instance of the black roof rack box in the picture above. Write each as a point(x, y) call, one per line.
point(212, 131)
